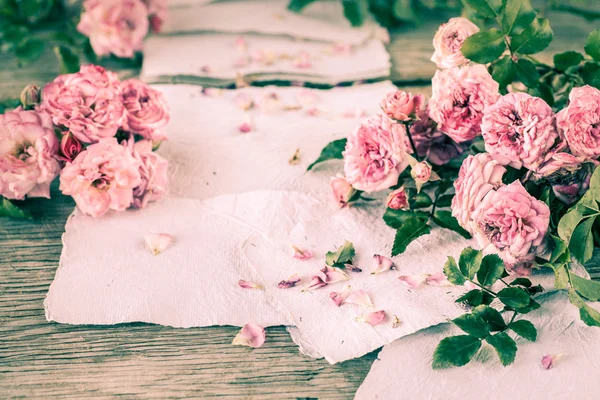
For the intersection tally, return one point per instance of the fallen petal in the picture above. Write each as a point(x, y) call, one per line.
point(360, 298)
point(249, 285)
point(245, 126)
point(340, 297)
point(333, 274)
point(301, 254)
point(158, 242)
point(316, 282)
point(251, 335)
point(352, 268)
point(396, 321)
point(413, 281)
point(374, 318)
point(438, 279)
point(382, 264)
point(548, 361)
point(289, 282)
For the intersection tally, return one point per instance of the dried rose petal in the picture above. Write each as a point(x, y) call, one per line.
point(374, 318)
point(360, 298)
point(352, 268)
point(246, 125)
point(396, 321)
point(251, 335)
point(289, 282)
point(340, 297)
point(158, 242)
point(301, 254)
point(413, 281)
point(549, 360)
point(316, 282)
point(249, 285)
point(333, 274)
point(438, 279)
point(383, 264)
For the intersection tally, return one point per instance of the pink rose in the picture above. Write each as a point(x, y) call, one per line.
point(86, 103)
point(432, 144)
point(478, 175)
point(146, 110)
point(401, 105)
point(519, 130)
point(398, 199)
point(512, 223)
point(342, 190)
point(114, 26)
point(459, 97)
point(70, 147)
point(449, 39)
point(157, 11)
point(28, 149)
point(375, 154)
point(580, 122)
point(153, 170)
point(421, 171)
point(102, 177)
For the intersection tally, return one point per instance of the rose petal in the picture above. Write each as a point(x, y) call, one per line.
point(360, 298)
point(438, 279)
point(340, 297)
point(249, 285)
point(316, 282)
point(396, 321)
point(289, 282)
point(374, 318)
point(382, 264)
point(413, 281)
point(352, 268)
point(246, 125)
point(333, 274)
point(301, 254)
point(158, 242)
point(251, 335)
point(549, 360)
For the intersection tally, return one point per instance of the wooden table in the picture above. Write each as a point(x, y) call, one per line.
point(40, 359)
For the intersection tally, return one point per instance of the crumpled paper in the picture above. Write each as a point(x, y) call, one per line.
point(403, 368)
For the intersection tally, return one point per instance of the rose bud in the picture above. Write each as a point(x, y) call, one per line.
point(30, 96)
point(421, 172)
point(70, 147)
point(401, 105)
point(398, 199)
point(342, 190)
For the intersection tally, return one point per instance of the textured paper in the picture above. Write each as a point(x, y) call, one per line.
point(403, 368)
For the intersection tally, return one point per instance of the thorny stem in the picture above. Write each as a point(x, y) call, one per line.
point(410, 139)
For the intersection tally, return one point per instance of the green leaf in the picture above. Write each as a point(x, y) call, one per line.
point(487, 298)
point(560, 250)
point(472, 324)
point(585, 287)
point(517, 13)
point(353, 12)
point(544, 91)
point(332, 151)
point(445, 219)
point(562, 61)
point(34, 11)
point(69, 61)
point(472, 297)
point(421, 200)
point(491, 316)
point(581, 245)
point(521, 282)
point(484, 47)
point(298, 5)
point(504, 71)
point(524, 329)
point(13, 36)
point(445, 200)
point(455, 351)
point(8, 209)
point(29, 51)
point(532, 306)
point(514, 297)
point(505, 347)
point(491, 270)
point(342, 256)
point(592, 45)
point(396, 218)
point(485, 8)
point(470, 262)
point(535, 38)
point(590, 73)
point(411, 229)
point(404, 10)
point(589, 316)
point(527, 73)
point(561, 277)
point(453, 273)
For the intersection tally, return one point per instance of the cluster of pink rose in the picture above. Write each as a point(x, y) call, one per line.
point(519, 130)
point(120, 26)
point(97, 132)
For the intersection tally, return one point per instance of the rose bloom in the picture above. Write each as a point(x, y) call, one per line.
point(434, 145)
point(70, 147)
point(157, 11)
point(512, 223)
point(85, 103)
point(580, 121)
point(519, 130)
point(102, 178)
point(342, 190)
point(401, 105)
point(375, 154)
point(448, 41)
point(398, 199)
point(459, 97)
point(153, 171)
point(146, 110)
point(28, 150)
point(478, 175)
point(114, 26)
point(421, 171)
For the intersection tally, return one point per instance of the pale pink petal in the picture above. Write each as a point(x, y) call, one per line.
point(333, 274)
point(249, 285)
point(382, 264)
point(360, 298)
point(548, 361)
point(158, 242)
point(316, 282)
point(396, 321)
point(289, 282)
point(246, 125)
point(438, 279)
point(251, 335)
point(301, 254)
point(374, 318)
point(340, 297)
point(413, 281)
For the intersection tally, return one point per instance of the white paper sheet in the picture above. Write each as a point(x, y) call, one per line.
point(403, 368)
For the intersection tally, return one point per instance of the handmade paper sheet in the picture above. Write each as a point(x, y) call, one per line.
point(403, 368)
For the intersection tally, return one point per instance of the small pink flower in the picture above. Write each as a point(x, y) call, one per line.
point(459, 97)
point(413, 281)
point(28, 151)
point(289, 282)
point(303, 61)
point(360, 298)
point(375, 154)
point(382, 264)
point(401, 105)
point(548, 361)
point(398, 199)
point(301, 254)
point(153, 172)
point(158, 242)
point(339, 297)
point(438, 279)
point(114, 26)
point(342, 190)
point(251, 335)
point(579, 122)
point(146, 110)
point(374, 318)
point(449, 39)
point(422, 173)
point(248, 285)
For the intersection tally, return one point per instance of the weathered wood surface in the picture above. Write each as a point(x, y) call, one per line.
point(40, 359)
